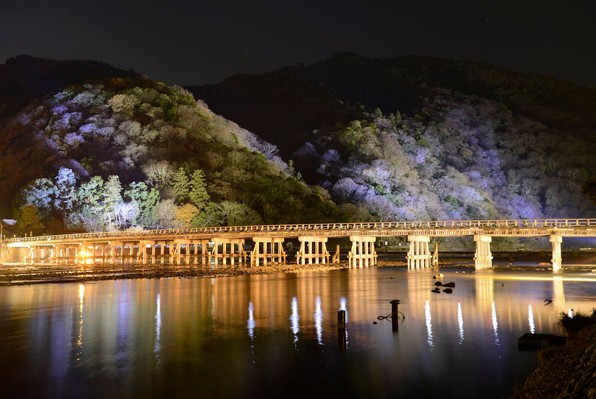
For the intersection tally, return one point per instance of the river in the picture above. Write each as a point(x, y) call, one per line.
point(276, 335)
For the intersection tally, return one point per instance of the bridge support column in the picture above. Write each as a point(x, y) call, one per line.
point(363, 252)
point(117, 257)
point(179, 257)
point(56, 254)
point(232, 250)
point(483, 258)
point(316, 250)
point(419, 256)
point(143, 251)
point(557, 259)
point(268, 248)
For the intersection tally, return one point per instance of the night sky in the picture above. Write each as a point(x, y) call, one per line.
point(195, 42)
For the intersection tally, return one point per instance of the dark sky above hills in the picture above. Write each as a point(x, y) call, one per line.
point(196, 42)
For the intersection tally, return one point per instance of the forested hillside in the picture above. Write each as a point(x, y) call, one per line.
point(97, 148)
point(128, 152)
point(419, 138)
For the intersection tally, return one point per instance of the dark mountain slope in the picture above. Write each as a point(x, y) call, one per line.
point(399, 84)
point(284, 107)
point(432, 138)
point(25, 78)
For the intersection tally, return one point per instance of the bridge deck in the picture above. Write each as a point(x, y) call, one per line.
point(579, 227)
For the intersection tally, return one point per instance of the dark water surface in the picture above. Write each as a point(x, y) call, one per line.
point(276, 335)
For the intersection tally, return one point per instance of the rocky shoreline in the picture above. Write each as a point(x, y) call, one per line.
point(44, 274)
point(565, 372)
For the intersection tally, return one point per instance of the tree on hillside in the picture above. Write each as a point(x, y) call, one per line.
point(185, 214)
point(65, 184)
point(198, 189)
point(28, 221)
point(180, 183)
point(111, 199)
point(159, 173)
point(238, 214)
point(41, 194)
point(146, 200)
point(88, 209)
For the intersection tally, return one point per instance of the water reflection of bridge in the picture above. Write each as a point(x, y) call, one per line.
point(263, 244)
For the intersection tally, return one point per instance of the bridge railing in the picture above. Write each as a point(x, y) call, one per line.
point(389, 225)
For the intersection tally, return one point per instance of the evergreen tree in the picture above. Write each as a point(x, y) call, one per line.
point(181, 186)
point(40, 194)
point(198, 189)
point(146, 200)
point(112, 198)
point(66, 185)
point(28, 221)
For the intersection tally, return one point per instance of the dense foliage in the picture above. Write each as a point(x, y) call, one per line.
point(408, 138)
point(419, 137)
point(132, 152)
point(462, 157)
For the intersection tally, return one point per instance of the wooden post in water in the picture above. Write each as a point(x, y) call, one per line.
point(435, 260)
point(394, 315)
point(341, 330)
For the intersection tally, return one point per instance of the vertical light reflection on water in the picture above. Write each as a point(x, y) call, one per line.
point(295, 319)
point(343, 305)
point(319, 320)
point(157, 345)
point(495, 323)
point(531, 319)
point(460, 323)
point(250, 324)
point(78, 346)
point(558, 294)
point(427, 318)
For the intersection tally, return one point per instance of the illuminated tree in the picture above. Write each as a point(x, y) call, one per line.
point(238, 214)
point(111, 198)
point(165, 214)
point(180, 183)
point(28, 220)
point(66, 185)
point(146, 200)
point(198, 189)
point(159, 174)
point(185, 214)
point(40, 194)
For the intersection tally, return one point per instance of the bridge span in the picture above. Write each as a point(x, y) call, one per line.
point(228, 244)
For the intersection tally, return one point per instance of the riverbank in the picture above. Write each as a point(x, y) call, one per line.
point(568, 371)
point(13, 274)
point(44, 274)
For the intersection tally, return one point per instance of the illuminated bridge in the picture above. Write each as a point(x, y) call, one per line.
point(228, 245)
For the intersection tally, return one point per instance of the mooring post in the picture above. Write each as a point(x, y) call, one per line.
point(394, 314)
point(341, 330)
point(341, 320)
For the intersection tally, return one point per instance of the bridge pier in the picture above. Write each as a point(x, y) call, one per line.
point(557, 259)
point(232, 249)
point(363, 252)
point(483, 258)
point(268, 248)
point(312, 248)
point(419, 256)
